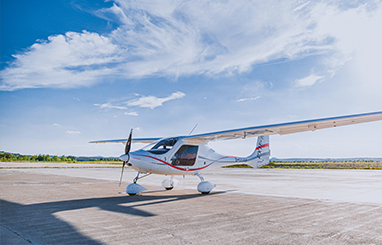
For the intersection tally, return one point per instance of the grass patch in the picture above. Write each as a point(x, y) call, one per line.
point(318, 165)
point(238, 166)
point(326, 165)
point(61, 167)
point(100, 162)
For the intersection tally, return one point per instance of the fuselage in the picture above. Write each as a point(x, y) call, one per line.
point(173, 156)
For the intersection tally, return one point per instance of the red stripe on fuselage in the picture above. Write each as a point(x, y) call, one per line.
point(262, 146)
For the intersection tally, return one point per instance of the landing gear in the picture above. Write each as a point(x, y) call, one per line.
point(135, 188)
point(204, 186)
point(169, 184)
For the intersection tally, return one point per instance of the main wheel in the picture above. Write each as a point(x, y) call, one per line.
point(205, 187)
point(205, 193)
point(169, 188)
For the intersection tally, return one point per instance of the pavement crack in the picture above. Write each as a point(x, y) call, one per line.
point(17, 234)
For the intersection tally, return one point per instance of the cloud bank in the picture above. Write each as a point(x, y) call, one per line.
point(63, 61)
point(177, 38)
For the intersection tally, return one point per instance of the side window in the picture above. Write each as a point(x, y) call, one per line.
point(185, 156)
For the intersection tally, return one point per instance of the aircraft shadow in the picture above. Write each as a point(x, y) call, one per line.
point(36, 223)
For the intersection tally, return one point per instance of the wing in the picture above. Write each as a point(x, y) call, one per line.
point(123, 141)
point(285, 128)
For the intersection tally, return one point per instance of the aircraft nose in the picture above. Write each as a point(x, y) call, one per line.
point(124, 157)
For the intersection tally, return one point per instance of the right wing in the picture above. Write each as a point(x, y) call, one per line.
point(285, 128)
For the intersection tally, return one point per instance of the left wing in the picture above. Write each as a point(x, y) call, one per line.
point(123, 141)
point(285, 128)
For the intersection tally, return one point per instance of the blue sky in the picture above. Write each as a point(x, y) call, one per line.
point(76, 71)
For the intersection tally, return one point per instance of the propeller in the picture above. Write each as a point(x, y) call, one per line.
point(127, 150)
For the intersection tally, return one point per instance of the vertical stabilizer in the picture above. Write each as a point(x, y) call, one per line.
point(260, 157)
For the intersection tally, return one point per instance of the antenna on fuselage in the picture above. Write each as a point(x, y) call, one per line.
point(193, 129)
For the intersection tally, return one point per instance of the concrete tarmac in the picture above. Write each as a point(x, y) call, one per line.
point(263, 206)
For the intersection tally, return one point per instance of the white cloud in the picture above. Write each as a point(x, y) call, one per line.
point(133, 113)
point(302, 6)
point(110, 106)
point(152, 101)
point(358, 40)
point(56, 124)
point(245, 99)
point(64, 61)
point(176, 38)
point(144, 101)
point(72, 132)
point(308, 81)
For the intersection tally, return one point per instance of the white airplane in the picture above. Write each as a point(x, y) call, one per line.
point(189, 155)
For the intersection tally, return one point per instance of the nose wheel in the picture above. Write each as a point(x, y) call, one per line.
point(134, 188)
point(169, 184)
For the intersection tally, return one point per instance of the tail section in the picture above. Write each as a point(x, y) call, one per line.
point(260, 157)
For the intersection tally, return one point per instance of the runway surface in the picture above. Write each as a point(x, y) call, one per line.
point(264, 206)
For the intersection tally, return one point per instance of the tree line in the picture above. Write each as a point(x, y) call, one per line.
point(9, 157)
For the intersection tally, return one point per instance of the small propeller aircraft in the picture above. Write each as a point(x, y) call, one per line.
point(189, 155)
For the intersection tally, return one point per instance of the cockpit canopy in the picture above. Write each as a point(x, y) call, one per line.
point(163, 146)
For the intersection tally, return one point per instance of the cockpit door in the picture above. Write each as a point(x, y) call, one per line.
point(185, 156)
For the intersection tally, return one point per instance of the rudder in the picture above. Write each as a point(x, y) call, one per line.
point(260, 157)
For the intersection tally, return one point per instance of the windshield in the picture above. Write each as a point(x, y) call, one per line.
point(162, 146)
point(149, 146)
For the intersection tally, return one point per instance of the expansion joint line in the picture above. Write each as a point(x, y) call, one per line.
point(17, 234)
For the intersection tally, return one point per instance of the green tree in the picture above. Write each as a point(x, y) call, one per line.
point(40, 158)
point(72, 158)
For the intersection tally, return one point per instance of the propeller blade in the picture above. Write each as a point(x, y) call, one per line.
point(128, 143)
point(123, 167)
point(127, 150)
